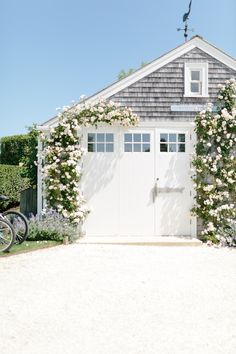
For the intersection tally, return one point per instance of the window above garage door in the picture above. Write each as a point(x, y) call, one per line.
point(100, 142)
point(172, 142)
point(137, 142)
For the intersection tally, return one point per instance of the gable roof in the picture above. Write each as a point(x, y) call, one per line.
point(194, 42)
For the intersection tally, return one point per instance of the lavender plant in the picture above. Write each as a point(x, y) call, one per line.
point(51, 225)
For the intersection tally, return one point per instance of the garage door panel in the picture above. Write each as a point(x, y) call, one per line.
point(100, 184)
point(173, 203)
point(137, 171)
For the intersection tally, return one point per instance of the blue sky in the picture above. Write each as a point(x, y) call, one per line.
point(53, 51)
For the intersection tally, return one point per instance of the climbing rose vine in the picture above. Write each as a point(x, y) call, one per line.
point(215, 165)
point(63, 152)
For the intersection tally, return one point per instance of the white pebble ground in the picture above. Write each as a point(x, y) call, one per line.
point(109, 299)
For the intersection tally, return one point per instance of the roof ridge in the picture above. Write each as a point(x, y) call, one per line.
point(195, 42)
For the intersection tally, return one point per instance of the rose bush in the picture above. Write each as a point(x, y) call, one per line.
point(63, 152)
point(215, 164)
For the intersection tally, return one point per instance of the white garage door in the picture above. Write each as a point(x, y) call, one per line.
point(137, 181)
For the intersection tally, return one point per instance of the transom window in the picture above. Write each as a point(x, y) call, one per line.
point(100, 142)
point(196, 79)
point(137, 142)
point(172, 142)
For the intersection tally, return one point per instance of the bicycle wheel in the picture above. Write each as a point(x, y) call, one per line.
point(7, 235)
point(19, 223)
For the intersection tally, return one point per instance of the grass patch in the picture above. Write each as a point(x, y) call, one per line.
point(29, 246)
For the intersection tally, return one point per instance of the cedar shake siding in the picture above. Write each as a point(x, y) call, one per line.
point(152, 96)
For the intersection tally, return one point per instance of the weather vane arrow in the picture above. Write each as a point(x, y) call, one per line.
point(185, 19)
point(186, 15)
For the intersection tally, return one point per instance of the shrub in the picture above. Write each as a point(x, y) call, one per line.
point(30, 157)
point(11, 184)
point(51, 226)
point(215, 162)
point(63, 152)
point(21, 150)
point(227, 235)
point(13, 148)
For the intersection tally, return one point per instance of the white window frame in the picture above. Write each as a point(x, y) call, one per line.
point(132, 143)
point(177, 142)
point(105, 142)
point(203, 68)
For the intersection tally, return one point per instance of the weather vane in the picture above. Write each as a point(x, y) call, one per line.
point(185, 20)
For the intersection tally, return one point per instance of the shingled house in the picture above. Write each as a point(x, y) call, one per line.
point(137, 181)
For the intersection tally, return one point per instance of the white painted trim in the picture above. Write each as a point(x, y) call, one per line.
point(40, 182)
point(166, 124)
point(152, 124)
point(193, 218)
point(146, 124)
point(155, 65)
point(46, 128)
point(215, 52)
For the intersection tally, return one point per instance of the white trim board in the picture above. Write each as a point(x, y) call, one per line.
point(195, 42)
point(148, 124)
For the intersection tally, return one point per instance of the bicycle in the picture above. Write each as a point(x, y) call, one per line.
point(18, 221)
point(7, 235)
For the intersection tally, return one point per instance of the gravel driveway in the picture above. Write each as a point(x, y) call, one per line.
point(96, 299)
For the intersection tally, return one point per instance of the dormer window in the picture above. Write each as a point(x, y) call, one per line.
point(196, 80)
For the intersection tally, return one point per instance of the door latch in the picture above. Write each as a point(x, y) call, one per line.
point(155, 190)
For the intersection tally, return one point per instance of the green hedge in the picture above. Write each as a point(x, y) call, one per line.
point(13, 148)
point(11, 184)
point(28, 160)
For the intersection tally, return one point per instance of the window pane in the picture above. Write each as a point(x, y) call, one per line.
point(181, 138)
point(91, 148)
point(137, 138)
point(146, 138)
point(172, 138)
point(109, 148)
point(101, 137)
point(100, 147)
point(195, 75)
point(172, 147)
point(146, 147)
point(128, 138)
point(164, 138)
point(91, 137)
point(109, 138)
point(163, 147)
point(181, 147)
point(195, 87)
point(128, 147)
point(137, 147)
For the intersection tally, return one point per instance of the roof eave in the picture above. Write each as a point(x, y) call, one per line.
point(156, 64)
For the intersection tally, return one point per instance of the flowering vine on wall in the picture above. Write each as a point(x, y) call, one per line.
point(215, 164)
point(63, 152)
